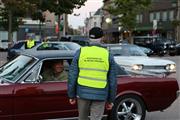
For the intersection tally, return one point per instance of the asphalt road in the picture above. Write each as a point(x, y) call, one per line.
point(172, 113)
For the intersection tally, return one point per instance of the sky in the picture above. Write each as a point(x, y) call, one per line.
point(90, 6)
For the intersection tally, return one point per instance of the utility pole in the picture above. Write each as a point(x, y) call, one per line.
point(65, 24)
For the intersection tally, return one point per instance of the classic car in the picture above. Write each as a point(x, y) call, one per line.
point(136, 62)
point(25, 96)
point(19, 47)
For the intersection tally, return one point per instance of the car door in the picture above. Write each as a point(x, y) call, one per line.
point(6, 101)
point(37, 100)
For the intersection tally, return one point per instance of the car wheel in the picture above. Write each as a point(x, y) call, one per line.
point(128, 107)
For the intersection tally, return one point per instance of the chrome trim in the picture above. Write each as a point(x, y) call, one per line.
point(177, 93)
point(70, 118)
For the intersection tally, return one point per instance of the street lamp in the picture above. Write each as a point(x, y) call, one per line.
point(108, 20)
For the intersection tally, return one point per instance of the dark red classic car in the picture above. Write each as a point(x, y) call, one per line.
point(24, 95)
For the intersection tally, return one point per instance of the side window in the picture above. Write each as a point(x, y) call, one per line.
point(34, 76)
point(55, 70)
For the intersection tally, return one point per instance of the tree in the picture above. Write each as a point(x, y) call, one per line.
point(128, 9)
point(11, 14)
point(60, 7)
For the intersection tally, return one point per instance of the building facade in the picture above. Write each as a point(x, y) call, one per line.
point(95, 20)
point(158, 20)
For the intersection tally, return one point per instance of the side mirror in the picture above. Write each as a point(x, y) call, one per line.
point(39, 79)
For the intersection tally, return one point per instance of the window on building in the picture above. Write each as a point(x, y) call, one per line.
point(139, 18)
point(95, 24)
point(171, 15)
point(164, 16)
point(151, 17)
point(157, 16)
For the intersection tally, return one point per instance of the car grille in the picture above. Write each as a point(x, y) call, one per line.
point(154, 67)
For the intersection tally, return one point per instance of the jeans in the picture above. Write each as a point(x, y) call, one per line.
point(90, 107)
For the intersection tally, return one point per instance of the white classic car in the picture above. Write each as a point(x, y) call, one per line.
point(136, 62)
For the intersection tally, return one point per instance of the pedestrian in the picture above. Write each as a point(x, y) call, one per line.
point(92, 80)
point(30, 42)
point(45, 44)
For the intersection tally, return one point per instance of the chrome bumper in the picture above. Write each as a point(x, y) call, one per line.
point(177, 93)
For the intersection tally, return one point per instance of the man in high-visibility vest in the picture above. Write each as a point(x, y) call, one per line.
point(92, 80)
point(30, 42)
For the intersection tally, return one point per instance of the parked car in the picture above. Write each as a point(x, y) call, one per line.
point(159, 45)
point(24, 95)
point(147, 51)
point(171, 46)
point(17, 48)
point(178, 49)
point(20, 47)
point(4, 44)
point(136, 62)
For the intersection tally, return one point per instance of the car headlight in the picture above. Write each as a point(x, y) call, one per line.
point(165, 46)
point(171, 67)
point(137, 67)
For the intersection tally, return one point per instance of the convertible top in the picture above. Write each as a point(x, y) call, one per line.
point(52, 54)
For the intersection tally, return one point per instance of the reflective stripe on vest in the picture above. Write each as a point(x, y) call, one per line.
point(30, 43)
point(93, 67)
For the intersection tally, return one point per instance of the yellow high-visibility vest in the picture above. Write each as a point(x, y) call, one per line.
point(93, 67)
point(30, 43)
point(45, 44)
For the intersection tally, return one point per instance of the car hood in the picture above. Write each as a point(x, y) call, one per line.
point(130, 60)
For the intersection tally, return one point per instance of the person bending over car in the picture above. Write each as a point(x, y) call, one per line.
point(56, 73)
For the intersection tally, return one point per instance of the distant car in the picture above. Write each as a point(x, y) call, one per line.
point(136, 62)
point(159, 45)
point(53, 46)
point(17, 48)
point(147, 51)
point(4, 44)
point(171, 46)
point(25, 95)
point(178, 49)
point(79, 39)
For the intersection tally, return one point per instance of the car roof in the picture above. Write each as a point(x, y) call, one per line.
point(51, 54)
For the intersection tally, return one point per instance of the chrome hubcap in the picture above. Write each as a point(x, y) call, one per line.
point(129, 109)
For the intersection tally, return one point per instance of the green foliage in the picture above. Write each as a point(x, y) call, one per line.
point(4, 21)
point(129, 9)
point(13, 11)
point(176, 23)
point(61, 6)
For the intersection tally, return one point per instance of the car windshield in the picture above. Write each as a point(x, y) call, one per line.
point(14, 69)
point(52, 46)
point(72, 46)
point(79, 38)
point(126, 50)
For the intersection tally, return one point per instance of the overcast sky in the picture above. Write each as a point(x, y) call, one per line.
point(90, 6)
